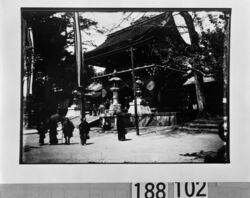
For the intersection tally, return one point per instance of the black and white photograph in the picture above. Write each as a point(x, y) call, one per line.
point(125, 86)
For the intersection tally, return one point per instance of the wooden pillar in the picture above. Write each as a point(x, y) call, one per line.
point(134, 90)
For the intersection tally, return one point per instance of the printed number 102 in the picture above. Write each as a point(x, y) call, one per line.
point(191, 190)
point(150, 190)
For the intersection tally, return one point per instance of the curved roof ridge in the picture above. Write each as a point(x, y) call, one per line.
point(139, 24)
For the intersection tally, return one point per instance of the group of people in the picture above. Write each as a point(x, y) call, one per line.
point(67, 129)
point(97, 110)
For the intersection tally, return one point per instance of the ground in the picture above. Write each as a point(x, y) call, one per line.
point(153, 145)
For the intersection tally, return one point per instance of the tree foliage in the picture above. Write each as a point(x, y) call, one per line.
point(206, 57)
point(203, 57)
point(53, 35)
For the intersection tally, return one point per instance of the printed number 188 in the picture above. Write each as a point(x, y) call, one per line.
point(150, 190)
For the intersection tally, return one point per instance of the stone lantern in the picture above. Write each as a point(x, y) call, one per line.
point(74, 109)
point(75, 96)
point(139, 83)
point(115, 107)
point(141, 108)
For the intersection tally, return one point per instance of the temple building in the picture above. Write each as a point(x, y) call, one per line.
point(147, 48)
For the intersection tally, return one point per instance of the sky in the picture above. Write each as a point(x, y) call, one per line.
point(112, 21)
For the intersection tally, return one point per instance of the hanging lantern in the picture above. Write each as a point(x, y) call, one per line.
point(75, 96)
point(139, 83)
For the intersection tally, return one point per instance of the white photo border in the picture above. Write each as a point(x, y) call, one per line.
point(10, 57)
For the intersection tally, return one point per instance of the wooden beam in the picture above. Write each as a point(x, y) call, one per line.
point(138, 68)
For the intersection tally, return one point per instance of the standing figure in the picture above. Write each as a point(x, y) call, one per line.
point(106, 125)
point(121, 128)
point(107, 104)
point(41, 131)
point(84, 130)
point(52, 125)
point(101, 109)
point(68, 128)
point(95, 110)
point(90, 109)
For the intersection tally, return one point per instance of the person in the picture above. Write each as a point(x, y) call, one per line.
point(68, 128)
point(90, 109)
point(41, 131)
point(106, 125)
point(95, 110)
point(107, 104)
point(41, 121)
point(121, 128)
point(84, 131)
point(52, 126)
point(101, 109)
point(221, 155)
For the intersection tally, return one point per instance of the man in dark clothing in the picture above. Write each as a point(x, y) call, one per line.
point(41, 131)
point(221, 155)
point(95, 110)
point(52, 125)
point(84, 130)
point(68, 128)
point(106, 125)
point(121, 128)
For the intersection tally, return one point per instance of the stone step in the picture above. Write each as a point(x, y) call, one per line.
point(94, 122)
point(198, 130)
point(202, 125)
point(210, 121)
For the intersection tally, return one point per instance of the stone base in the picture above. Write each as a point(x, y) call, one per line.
point(114, 109)
point(73, 111)
point(141, 109)
point(156, 119)
point(112, 119)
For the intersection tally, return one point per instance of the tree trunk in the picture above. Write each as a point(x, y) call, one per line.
point(199, 84)
point(199, 88)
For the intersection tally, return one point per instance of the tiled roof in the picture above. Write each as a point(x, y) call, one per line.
point(134, 35)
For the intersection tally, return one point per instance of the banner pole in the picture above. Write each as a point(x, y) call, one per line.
point(134, 90)
point(79, 61)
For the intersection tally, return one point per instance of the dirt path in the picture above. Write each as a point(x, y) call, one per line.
point(155, 145)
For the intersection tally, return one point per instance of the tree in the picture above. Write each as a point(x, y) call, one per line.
point(202, 57)
point(207, 52)
point(53, 35)
point(201, 100)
